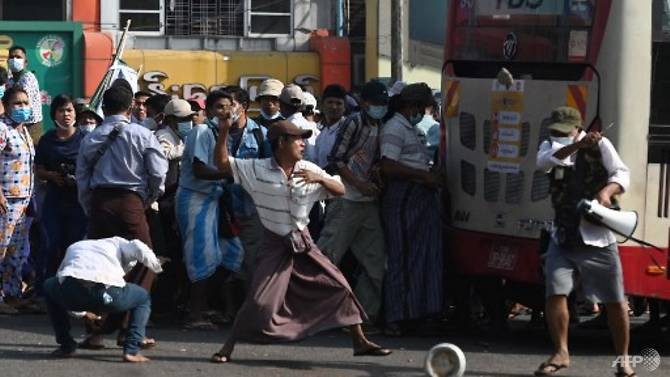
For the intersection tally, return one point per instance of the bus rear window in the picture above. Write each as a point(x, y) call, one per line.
point(522, 30)
point(525, 12)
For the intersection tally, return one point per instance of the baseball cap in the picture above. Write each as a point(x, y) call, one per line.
point(270, 87)
point(292, 95)
point(564, 119)
point(284, 127)
point(197, 103)
point(179, 108)
point(374, 91)
point(310, 100)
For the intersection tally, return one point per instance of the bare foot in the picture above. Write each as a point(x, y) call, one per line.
point(137, 358)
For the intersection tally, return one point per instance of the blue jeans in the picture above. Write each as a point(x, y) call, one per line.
point(80, 295)
point(63, 223)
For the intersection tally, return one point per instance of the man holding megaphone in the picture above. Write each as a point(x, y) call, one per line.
point(582, 165)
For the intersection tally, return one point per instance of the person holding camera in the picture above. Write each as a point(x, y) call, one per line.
point(63, 219)
point(582, 165)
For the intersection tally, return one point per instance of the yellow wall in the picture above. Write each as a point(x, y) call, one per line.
point(194, 73)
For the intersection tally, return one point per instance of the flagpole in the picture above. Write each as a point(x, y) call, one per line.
point(96, 99)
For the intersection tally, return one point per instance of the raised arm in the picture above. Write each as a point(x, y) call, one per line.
point(221, 150)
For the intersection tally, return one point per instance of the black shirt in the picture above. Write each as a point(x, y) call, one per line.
point(60, 156)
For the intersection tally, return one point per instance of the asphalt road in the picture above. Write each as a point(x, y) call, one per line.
point(26, 341)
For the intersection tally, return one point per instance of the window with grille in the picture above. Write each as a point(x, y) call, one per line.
point(270, 17)
point(146, 15)
point(205, 17)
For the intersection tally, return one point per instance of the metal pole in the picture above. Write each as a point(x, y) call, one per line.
point(397, 34)
point(340, 17)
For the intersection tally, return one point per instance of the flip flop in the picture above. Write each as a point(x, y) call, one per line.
point(220, 358)
point(621, 373)
point(374, 351)
point(542, 372)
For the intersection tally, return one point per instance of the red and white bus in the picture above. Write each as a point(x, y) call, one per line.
point(607, 58)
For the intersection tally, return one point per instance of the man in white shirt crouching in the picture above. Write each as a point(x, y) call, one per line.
point(90, 279)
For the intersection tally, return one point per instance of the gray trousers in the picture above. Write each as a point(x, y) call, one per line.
point(357, 226)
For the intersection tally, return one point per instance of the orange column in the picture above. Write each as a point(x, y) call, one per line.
point(335, 59)
point(88, 13)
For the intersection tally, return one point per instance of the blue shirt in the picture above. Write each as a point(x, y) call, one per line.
point(431, 129)
point(200, 143)
point(242, 203)
point(134, 161)
point(55, 154)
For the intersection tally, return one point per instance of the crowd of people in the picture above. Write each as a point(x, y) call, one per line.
point(148, 172)
point(251, 220)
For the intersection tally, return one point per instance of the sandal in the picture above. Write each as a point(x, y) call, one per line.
point(220, 358)
point(373, 351)
point(62, 353)
point(621, 373)
point(541, 370)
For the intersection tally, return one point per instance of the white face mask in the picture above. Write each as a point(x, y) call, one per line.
point(62, 126)
point(16, 64)
point(270, 117)
point(87, 127)
point(566, 140)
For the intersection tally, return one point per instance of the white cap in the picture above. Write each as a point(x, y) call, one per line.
point(179, 108)
point(292, 95)
point(310, 100)
point(271, 88)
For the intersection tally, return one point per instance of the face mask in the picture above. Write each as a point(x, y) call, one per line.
point(236, 114)
point(183, 128)
point(2, 91)
point(60, 125)
point(415, 119)
point(150, 123)
point(87, 127)
point(377, 112)
point(16, 64)
point(567, 140)
point(21, 114)
point(214, 120)
point(270, 117)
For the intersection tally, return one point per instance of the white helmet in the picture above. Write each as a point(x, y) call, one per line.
point(310, 100)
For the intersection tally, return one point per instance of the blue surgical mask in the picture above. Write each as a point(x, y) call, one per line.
point(87, 127)
point(183, 128)
point(16, 64)
point(415, 119)
point(377, 112)
point(21, 114)
point(567, 140)
point(2, 91)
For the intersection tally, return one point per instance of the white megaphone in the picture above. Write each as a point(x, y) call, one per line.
point(445, 360)
point(620, 222)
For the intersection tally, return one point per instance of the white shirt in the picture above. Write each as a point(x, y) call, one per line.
point(283, 204)
point(325, 141)
point(106, 260)
point(310, 147)
point(592, 234)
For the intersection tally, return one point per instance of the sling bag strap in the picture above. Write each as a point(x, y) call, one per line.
point(104, 146)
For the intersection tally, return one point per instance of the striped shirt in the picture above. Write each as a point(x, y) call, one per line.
point(283, 204)
point(404, 143)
